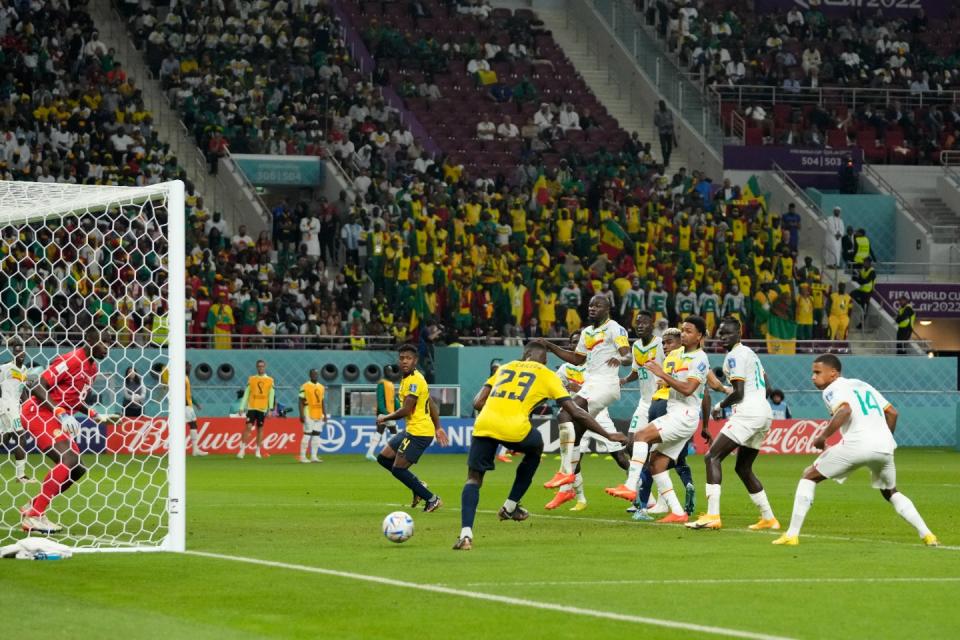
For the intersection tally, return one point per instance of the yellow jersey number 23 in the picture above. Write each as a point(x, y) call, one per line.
point(511, 382)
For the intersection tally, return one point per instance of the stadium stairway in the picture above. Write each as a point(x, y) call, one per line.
point(594, 72)
point(113, 33)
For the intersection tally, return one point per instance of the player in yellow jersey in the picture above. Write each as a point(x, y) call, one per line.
point(190, 415)
point(505, 403)
point(422, 424)
point(313, 416)
point(387, 401)
point(258, 400)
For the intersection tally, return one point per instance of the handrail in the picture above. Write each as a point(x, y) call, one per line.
point(949, 158)
point(833, 95)
point(875, 175)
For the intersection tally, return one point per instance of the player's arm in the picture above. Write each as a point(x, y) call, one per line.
point(890, 415)
point(409, 404)
point(732, 398)
point(840, 417)
point(301, 403)
point(713, 382)
point(766, 384)
point(588, 421)
point(435, 418)
point(625, 359)
point(480, 399)
point(633, 375)
point(705, 416)
point(686, 387)
point(272, 400)
point(323, 408)
point(41, 392)
point(572, 357)
point(244, 399)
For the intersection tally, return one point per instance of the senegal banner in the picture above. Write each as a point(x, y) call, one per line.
point(751, 194)
point(540, 193)
point(781, 336)
point(613, 239)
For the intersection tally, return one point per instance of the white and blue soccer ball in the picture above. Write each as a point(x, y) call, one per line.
point(398, 527)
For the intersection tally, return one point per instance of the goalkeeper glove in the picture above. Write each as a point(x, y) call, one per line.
point(68, 423)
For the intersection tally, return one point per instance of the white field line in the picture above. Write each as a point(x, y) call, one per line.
point(710, 581)
point(490, 597)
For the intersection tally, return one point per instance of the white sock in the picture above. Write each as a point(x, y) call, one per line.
point(905, 509)
point(578, 487)
point(567, 436)
point(195, 439)
point(374, 443)
point(466, 532)
point(665, 489)
point(713, 499)
point(304, 443)
point(802, 502)
point(637, 460)
point(20, 468)
point(314, 445)
point(509, 505)
point(760, 499)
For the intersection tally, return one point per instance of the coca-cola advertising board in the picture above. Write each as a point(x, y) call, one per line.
point(222, 435)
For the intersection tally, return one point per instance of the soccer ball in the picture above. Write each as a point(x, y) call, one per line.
point(398, 527)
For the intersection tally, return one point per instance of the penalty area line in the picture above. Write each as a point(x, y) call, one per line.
point(490, 597)
point(713, 581)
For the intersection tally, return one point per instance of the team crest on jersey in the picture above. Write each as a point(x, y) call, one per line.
point(731, 362)
point(828, 396)
point(413, 388)
point(591, 340)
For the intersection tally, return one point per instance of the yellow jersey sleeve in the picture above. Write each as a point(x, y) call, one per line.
point(418, 422)
point(189, 393)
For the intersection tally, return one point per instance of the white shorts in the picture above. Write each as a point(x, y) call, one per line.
point(676, 428)
point(599, 395)
point(310, 425)
point(748, 426)
point(9, 423)
point(189, 415)
point(641, 417)
point(603, 445)
point(840, 461)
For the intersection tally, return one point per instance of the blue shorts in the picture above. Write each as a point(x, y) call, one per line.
point(483, 450)
point(410, 447)
point(658, 408)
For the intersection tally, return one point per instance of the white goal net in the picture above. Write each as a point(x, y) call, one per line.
point(91, 365)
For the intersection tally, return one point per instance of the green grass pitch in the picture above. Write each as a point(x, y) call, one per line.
point(859, 572)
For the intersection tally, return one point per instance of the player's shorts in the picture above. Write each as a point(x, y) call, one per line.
point(599, 395)
point(9, 423)
point(658, 409)
point(603, 445)
point(312, 425)
point(412, 447)
point(388, 425)
point(748, 426)
point(841, 460)
point(44, 426)
point(676, 428)
point(256, 417)
point(189, 414)
point(641, 417)
point(483, 450)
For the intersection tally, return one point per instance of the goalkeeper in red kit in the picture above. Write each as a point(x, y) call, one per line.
point(49, 417)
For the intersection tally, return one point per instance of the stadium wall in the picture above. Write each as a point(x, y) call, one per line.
point(924, 390)
point(876, 213)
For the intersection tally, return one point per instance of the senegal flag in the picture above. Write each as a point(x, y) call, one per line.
point(781, 336)
point(540, 194)
point(613, 239)
point(751, 193)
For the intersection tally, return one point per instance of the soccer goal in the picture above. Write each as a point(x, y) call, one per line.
point(76, 258)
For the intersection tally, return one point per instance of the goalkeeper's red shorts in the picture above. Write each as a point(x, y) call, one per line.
point(44, 426)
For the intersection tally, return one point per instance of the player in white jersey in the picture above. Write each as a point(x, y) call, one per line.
point(602, 349)
point(867, 422)
point(572, 377)
point(664, 438)
point(647, 347)
point(13, 377)
point(744, 431)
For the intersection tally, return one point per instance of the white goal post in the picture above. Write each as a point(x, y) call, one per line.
point(75, 257)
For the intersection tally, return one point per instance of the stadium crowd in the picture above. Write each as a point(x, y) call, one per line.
point(416, 242)
point(804, 50)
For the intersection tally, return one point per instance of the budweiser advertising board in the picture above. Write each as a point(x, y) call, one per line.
point(221, 435)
